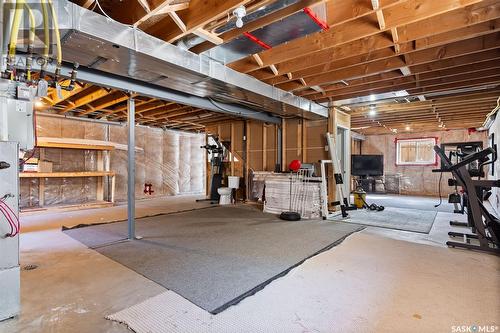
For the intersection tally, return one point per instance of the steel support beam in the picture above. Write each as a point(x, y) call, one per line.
point(131, 169)
point(108, 80)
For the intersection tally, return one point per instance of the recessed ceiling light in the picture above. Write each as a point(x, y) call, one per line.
point(407, 128)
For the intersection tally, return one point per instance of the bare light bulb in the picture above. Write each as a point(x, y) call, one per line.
point(239, 22)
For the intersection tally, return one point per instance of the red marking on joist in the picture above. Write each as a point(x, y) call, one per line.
point(323, 25)
point(256, 40)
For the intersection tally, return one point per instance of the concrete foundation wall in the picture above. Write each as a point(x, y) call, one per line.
point(172, 161)
point(415, 180)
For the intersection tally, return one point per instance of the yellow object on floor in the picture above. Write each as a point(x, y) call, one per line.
point(359, 198)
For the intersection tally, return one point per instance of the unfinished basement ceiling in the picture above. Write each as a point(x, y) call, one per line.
point(101, 103)
point(349, 54)
point(113, 49)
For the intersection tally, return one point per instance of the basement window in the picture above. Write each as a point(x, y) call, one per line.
point(418, 151)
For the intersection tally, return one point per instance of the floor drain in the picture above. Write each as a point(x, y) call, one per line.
point(30, 267)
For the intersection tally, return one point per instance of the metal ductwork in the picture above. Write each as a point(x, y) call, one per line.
point(105, 46)
point(287, 29)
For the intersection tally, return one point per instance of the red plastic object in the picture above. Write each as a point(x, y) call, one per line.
point(256, 40)
point(294, 165)
point(323, 25)
point(471, 130)
point(148, 189)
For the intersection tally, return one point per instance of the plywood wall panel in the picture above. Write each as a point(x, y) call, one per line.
point(224, 131)
point(292, 141)
point(316, 143)
point(238, 136)
point(271, 151)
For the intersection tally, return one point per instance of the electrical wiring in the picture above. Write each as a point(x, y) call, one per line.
point(13, 216)
point(7, 211)
point(26, 159)
point(7, 216)
point(109, 17)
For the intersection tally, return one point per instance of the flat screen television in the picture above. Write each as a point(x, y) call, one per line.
point(367, 165)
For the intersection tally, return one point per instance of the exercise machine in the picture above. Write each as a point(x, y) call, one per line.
point(216, 154)
point(459, 198)
point(485, 227)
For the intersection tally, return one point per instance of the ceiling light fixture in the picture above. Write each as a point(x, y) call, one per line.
point(239, 13)
point(407, 128)
point(372, 111)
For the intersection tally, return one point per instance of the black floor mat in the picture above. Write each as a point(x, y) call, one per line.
point(214, 257)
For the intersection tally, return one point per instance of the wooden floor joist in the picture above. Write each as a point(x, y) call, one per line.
point(443, 46)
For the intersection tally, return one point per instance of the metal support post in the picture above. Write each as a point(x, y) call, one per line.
point(131, 169)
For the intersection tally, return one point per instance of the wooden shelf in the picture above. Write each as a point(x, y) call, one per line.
point(71, 144)
point(66, 174)
point(101, 150)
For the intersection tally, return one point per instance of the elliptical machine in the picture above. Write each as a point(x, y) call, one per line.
point(485, 227)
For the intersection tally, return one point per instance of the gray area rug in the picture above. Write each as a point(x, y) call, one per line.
point(394, 218)
point(410, 202)
point(214, 257)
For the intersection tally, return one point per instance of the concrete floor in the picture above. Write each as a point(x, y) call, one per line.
point(377, 280)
